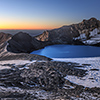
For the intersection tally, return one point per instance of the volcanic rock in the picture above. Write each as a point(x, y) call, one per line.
point(67, 34)
point(3, 40)
point(23, 42)
point(4, 37)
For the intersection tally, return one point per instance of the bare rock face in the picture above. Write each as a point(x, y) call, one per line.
point(3, 40)
point(66, 34)
point(23, 42)
point(43, 37)
point(4, 37)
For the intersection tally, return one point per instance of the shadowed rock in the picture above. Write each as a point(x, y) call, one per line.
point(23, 42)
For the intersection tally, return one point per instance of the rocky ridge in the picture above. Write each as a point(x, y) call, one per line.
point(69, 34)
point(4, 41)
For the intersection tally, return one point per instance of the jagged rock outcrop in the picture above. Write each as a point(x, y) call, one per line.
point(23, 42)
point(4, 37)
point(3, 41)
point(67, 34)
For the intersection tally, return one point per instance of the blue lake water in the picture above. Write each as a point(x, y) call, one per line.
point(68, 51)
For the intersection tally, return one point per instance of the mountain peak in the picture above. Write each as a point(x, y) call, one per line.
point(93, 19)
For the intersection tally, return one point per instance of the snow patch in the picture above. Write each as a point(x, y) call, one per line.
point(68, 86)
point(4, 67)
point(6, 63)
point(16, 62)
point(94, 32)
point(92, 79)
point(93, 40)
point(41, 94)
point(94, 37)
point(82, 37)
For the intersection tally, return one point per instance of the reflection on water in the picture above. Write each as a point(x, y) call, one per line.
point(68, 51)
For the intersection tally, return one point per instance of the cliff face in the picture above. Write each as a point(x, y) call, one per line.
point(67, 34)
point(43, 37)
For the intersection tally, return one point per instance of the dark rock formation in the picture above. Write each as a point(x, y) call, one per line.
point(97, 44)
point(43, 75)
point(23, 42)
point(65, 34)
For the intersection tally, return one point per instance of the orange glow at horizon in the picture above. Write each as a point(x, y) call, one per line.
point(12, 23)
point(26, 27)
point(8, 23)
point(23, 28)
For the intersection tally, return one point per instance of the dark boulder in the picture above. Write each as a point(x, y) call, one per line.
point(97, 44)
point(78, 42)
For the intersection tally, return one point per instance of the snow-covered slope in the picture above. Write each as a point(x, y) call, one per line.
point(93, 37)
point(92, 65)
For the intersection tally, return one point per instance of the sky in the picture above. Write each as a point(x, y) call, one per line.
point(46, 14)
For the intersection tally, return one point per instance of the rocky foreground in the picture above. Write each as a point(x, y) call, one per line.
point(42, 79)
point(26, 76)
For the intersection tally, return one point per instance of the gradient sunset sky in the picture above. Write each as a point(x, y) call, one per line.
point(46, 14)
